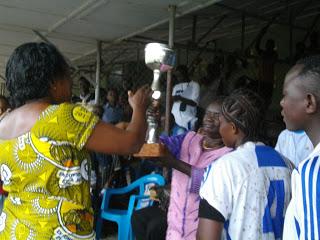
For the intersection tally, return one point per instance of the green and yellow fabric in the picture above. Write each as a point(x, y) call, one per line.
point(46, 173)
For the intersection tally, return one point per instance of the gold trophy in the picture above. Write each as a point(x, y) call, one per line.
point(159, 58)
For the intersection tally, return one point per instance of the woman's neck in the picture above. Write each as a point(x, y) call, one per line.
point(40, 100)
point(240, 139)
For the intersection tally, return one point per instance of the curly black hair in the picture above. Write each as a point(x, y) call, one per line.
point(245, 109)
point(31, 69)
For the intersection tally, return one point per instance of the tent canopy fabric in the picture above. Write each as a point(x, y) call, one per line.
point(74, 26)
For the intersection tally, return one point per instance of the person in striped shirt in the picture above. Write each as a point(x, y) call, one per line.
point(301, 111)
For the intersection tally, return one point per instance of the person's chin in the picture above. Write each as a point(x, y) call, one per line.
point(227, 143)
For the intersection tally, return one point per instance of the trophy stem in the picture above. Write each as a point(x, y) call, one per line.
point(156, 83)
point(159, 58)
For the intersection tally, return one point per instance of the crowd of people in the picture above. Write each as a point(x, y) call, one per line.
point(59, 152)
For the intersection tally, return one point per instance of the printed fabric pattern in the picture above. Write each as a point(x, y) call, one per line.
point(46, 174)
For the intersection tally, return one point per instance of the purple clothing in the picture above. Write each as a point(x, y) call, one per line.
point(184, 199)
point(174, 144)
point(196, 179)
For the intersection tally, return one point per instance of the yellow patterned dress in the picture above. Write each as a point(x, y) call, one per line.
point(46, 173)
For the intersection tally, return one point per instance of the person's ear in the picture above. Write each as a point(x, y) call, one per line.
point(234, 128)
point(311, 103)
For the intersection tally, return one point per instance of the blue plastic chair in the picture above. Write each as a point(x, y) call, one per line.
point(123, 217)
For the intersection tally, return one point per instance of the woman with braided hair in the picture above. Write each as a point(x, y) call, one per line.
point(245, 193)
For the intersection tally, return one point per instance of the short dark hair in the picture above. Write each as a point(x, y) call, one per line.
point(112, 89)
point(31, 69)
point(310, 74)
point(84, 80)
point(245, 109)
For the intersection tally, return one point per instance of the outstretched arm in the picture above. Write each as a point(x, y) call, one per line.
point(171, 161)
point(109, 139)
point(196, 174)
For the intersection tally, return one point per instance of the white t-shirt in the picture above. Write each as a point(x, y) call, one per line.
point(250, 187)
point(294, 145)
point(189, 90)
point(303, 215)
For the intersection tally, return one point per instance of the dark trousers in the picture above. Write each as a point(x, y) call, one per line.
point(149, 223)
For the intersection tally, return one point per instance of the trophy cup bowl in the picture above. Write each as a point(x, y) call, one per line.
point(159, 58)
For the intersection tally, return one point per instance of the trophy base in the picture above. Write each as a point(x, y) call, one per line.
point(151, 150)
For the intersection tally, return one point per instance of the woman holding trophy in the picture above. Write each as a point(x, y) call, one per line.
point(44, 144)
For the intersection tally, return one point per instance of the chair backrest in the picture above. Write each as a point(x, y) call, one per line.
point(145, 183)
point(140, 184)
point(147, 180)
point(135, 202)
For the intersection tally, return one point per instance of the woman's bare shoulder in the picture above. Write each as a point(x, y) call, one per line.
point(20, 120)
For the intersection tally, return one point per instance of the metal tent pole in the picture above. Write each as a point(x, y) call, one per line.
point(97, 87)
point(172, 10)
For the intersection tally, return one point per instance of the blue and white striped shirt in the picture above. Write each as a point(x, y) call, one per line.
point(303, 215)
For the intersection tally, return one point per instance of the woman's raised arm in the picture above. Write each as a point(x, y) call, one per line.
point(109, 139)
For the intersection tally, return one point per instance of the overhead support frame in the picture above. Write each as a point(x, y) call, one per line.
point(98, 79)
point(256, 16)
point(71, 65)
point(211, 29)
point(144, 29)
point(172, 10)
